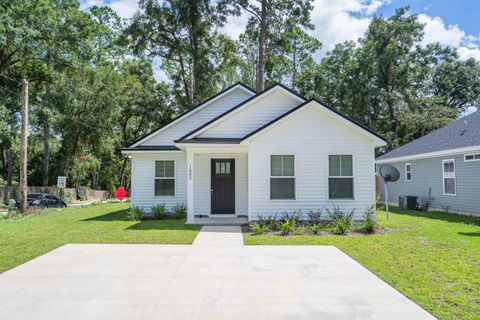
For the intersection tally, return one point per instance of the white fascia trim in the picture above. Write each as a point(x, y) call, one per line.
point(210, 145)
point(430, 154)
point(377, 141)
point(175, 121)
point(263, 95)
point(151, 151)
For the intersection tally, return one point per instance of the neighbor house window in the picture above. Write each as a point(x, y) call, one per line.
point(340, 176)
point(165, 178)
point(449, 183)
point(282, 177)
point(472, 157)
point(408, 171)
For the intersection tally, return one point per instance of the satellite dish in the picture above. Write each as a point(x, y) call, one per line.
point(389, 174)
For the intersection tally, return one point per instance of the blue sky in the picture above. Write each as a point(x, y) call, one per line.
point(464, 13)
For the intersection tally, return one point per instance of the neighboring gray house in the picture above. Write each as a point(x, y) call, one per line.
point(447, 161)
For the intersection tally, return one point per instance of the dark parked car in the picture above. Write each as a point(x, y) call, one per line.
point(44, 200)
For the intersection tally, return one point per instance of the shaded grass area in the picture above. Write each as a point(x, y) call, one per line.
point(27, 237)
point(431, 257)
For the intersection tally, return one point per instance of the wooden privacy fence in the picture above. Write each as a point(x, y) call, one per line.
point(14, 193)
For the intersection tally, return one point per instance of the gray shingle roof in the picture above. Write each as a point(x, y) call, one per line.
point(462, 133)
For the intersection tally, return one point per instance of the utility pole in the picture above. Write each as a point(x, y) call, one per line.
point(23, 148)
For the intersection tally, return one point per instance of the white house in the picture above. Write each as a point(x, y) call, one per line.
point(245, 154)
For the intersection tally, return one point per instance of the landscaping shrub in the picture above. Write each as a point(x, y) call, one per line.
point(370, 222)
point(159, 211)
point(378, 200)
point(315, 217)
point(301, 229)
point(316, 228)
point(341, 221)
point(270, 222)
point(287, 226)
point(295, 216)
point(179, 211)
point(135, 213)
point(259, 228)
point(341, 227)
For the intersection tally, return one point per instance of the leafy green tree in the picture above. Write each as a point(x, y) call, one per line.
point(393, 85)
point(182, 34)
point(276, 26)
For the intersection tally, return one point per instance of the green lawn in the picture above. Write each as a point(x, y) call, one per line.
point(25, 238)
point(431, 257)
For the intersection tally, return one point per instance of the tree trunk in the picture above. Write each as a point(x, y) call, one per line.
point(46, 153)
point(7, 156)
point(294, 63)
point(261, 48)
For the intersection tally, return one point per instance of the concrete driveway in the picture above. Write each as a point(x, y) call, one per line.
point(215, 278)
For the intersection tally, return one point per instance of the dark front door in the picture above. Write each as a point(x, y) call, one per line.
point(223, 186)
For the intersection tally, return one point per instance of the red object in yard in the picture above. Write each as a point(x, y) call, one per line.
point(120, 193)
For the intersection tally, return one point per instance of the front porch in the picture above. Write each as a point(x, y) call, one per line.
point(217, 184)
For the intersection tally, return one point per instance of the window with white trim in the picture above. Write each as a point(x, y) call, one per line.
point(408, 171)
point(472, 157)
point(449, 179)
point(282, 177)
point(340, 176)
point(164, 178)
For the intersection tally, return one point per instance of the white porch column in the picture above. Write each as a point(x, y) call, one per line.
point(190, 162)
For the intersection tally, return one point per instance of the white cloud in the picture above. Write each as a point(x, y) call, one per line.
point(468, 46)
point(124, 8)
point(341, 20)
point(235, 26)
point(466, 53)
point(436, 31)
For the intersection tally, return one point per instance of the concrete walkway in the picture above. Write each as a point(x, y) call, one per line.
point(219, 236)
point(215, 278)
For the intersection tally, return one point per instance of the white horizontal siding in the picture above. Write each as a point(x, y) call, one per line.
point(311, 135)
point(427, 173)
point(202, 182)
point(143, 182)
point(253, 116)
point(198, 118)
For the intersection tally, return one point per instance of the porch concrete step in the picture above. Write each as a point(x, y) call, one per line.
point(237, 221)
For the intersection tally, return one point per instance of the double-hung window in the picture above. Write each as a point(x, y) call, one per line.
point(449, 179)
point(165, 178)
point(408, 171)
point(282, 177)
point(340, 176)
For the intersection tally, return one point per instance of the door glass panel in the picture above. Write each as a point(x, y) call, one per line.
point(217, 167)
point(227, 167)
point(222, 167)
